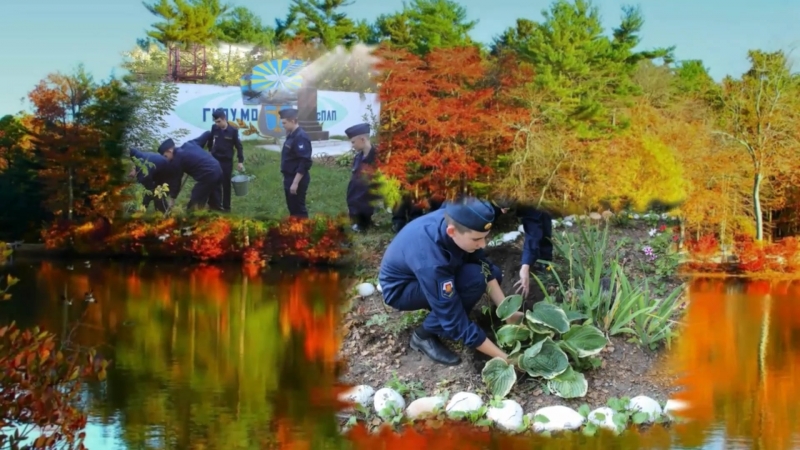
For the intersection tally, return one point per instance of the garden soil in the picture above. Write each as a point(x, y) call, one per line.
point(376, 352)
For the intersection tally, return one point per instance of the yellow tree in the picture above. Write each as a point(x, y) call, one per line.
point(759, 113)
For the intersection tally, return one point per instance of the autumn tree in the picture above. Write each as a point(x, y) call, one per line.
point(444, 124)
point(760, 114)
point(78, 131)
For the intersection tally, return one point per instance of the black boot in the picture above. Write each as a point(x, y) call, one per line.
point(434, 349)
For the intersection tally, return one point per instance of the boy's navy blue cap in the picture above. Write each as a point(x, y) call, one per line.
point(288, 113)
point(166, 145)
point(357, 130)
point(474, 214)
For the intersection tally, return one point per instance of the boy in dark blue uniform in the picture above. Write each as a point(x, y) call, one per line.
point(295, 163)
point(537, 226)
point(159, 171)
point(436, 262)
point(201, 166)
point(221, 141)
point(361, 190)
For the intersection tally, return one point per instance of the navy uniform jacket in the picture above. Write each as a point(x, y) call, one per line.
point(360, 190)
point(222, 142)
point(296, 153)
point(423, 252)
point(196, 162)
point(154, 171)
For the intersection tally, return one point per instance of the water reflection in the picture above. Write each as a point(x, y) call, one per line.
point(740, 353)
point(204, 357)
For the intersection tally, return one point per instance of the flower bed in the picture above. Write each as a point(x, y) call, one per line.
point(317, 241)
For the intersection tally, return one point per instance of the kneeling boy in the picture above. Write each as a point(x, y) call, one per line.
point(436, 262)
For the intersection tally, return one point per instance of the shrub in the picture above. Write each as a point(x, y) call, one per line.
point(546, 345)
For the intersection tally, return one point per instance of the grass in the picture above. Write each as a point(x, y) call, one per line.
point(265, 198)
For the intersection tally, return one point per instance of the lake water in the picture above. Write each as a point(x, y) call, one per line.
point(215, 358)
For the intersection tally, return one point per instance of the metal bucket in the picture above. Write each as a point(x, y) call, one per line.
point(240, 183)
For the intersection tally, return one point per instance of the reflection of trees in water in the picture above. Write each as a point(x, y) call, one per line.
point(743, 362)
point(206, 355)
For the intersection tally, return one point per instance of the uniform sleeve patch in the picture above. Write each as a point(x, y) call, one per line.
point(447, 288)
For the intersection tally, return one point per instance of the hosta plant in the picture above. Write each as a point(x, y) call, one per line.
point(549, 344)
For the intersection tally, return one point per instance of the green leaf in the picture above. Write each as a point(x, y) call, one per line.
point(584, 410)
point(569, 384)
point(539, 418)
point(509, 335)
point(499, 376)
point(509, 306)
point(572, 316)
point(585, 339)
point(639, 418)
point(515, 351)
point(538, 330)
point(544, 359)
point(590, 429)
point(550, 316)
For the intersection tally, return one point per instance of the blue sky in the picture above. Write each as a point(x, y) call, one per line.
point(43, 36)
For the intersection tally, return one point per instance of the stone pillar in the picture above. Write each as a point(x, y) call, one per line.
point(307, 111)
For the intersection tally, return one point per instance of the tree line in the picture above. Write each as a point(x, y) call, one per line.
point(556, 110)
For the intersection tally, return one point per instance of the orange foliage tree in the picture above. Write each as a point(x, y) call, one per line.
point(446, 119)
point(77, 130)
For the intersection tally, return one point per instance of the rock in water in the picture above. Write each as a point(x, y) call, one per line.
point(603, 417)
point(365, 289)
point(424, 406)
point(361, 395)
point(508, 416)
point(646, 405)
point(559, 418)
point(388, 402)
point(464, 402)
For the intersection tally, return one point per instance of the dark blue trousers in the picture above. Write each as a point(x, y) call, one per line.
point(470, 284)
point(224, 189)
point(205, 192)
point(542, 233)
point(296, 203)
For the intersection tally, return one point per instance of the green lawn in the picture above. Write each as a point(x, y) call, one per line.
point(265, 197)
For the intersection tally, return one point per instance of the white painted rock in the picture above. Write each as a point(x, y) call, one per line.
point(511, 236)
point(607, 214)
point(569, 218)
point(380, 289)
point(388, 398)
point(464, 402)
point(603, 417)
point(554, 223)
point(365, 289)
point(362, 395)
point(646, 405)
point(508, 416)
point(595, 216)
point(559, 418)
point(521, 228)
point(424, 406)
point(567, 223)
point(674, 406)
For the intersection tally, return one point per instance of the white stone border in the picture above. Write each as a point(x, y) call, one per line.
point(508, 415)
